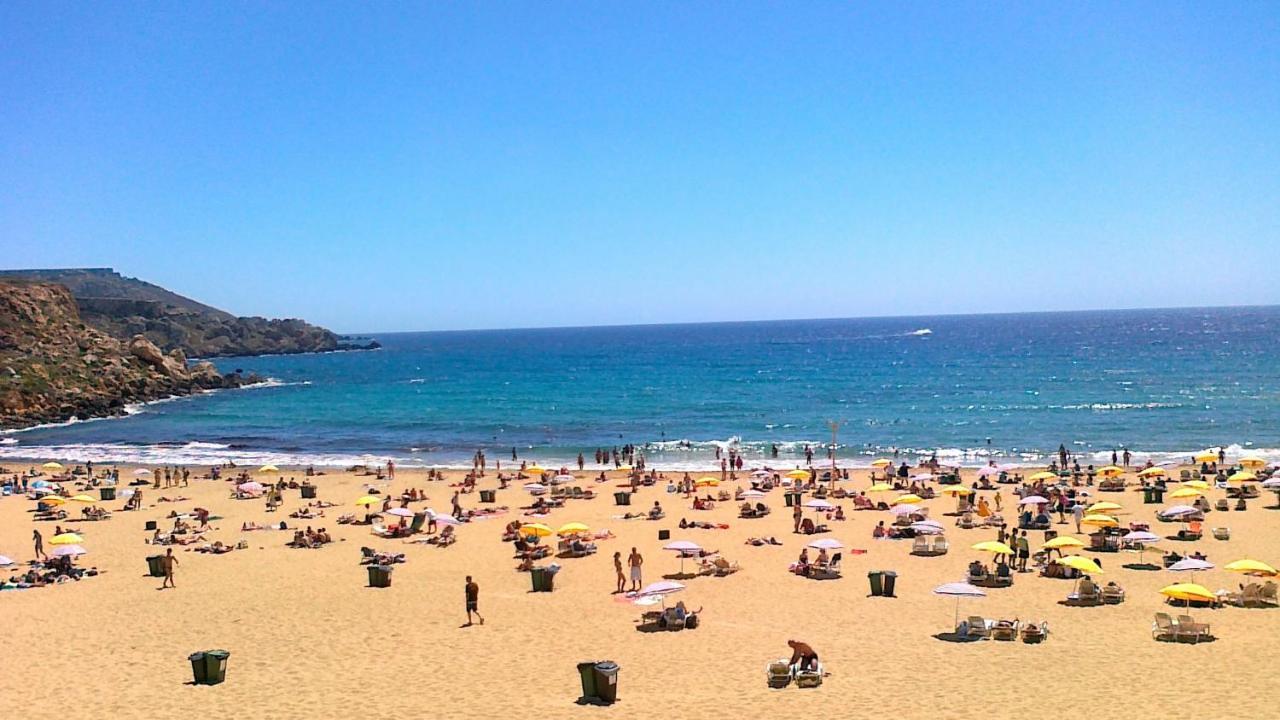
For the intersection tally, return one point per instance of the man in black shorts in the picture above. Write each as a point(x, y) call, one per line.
point(473, 601)
point(803, 657)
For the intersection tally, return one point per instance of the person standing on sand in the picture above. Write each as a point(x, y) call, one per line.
point(797, 517)
point(168, 562)
point(617, 569)
point(473, 601)
point(1126, 457)
point(38, 539)
point(635, 561)
point(1077, 512)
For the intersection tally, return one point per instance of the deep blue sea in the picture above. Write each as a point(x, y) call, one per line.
point(1158, 381)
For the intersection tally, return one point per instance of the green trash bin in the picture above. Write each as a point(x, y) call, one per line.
point(1157, 495)
point(379, 576)
point(606, 680)
point(1148, 497)
point(215, 666)
point(155, 565)
point(309, 492)
point(107, 493)
point(588, 672)
point(622, 498)
point(877, 582)
point(789, 498)
point(890, 577)
point(488, 496)
point(198, 668)
point(538, 576)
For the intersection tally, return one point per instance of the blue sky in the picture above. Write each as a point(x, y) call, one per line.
point(377, 167)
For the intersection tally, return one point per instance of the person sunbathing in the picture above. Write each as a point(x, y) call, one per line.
point(758, 542)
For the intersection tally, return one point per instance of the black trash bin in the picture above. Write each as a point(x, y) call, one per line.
point(155, 565)
point(1157, 495)
point(877, 582)
point(488, 496)
point(890, 577)
point(790, 499)
point(198, 669)
point(587, 670)
point(622, 498)
point(1148, 497)
point(380, 576)
point(151, 525)
point(107, 493)
point(606, 681)
point(215, 664)
point(664, 534)
point(538, 576)
point(309, 492)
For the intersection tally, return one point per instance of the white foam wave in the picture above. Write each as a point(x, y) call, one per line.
point(921, 332)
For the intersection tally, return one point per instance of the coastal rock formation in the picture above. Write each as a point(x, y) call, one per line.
point(125, 308)
point(53, 366)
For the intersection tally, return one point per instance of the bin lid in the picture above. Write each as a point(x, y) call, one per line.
point(220, 654)
point(196, 656)
point(587, 664)
point(607, 666)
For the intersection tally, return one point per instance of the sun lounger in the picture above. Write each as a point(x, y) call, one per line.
point(1221, 533)
point(718, 567)
point(920, 546)
point(1188, 628)
point(1033, 633)
point(974, 627)
point(778, 673)
point(1112, 594)
point(1005, 630)
point(1089, 595)
point(830, 571)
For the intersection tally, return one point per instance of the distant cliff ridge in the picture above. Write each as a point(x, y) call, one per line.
point(125, 307)
point(54, 367)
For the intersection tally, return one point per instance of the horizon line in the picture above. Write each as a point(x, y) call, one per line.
point(372, 333)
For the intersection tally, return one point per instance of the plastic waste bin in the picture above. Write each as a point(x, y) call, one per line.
point(215, 666)
point(1147, 496)
point(606, 679)
point(488, 496)
point(155, 565)
point(588, 672)
point(890, 577)
point(309, 492)
point(664, 534)
point(107, 493)
point(877, 582)
point(622, 498)
point(151, 525)
point(1157, 495)
point(198, 668)
point(379, 576)
point(538, 576)
point(789, 498)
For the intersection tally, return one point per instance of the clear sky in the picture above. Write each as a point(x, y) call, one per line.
point(377, 166)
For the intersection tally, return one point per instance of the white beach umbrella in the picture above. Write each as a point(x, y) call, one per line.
point(4, 560)
point(988, 471)
point(562, 479)
point(399, 512)
point(684, 549)
point(535, 488)
point(1033, 500)
point(442, 519)
point(928, 527)
point(250, 487)
point(819, 504)
point(1179, 511)
point(64, 550)
point(922, 477)
point(142, 472)
point(826, 544)
point(907, 509)
point(959, 590)
point(753, 495)
point(1191, 565)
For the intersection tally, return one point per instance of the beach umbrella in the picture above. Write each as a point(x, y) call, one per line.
point(366, 500)
point(1185, 492)
point(1254, 567)
point(881, 462)
point(142, 472)
point(1242, 476)
point(535, 488)
point(1063, 541)
point(1043, 475)
point(1079, 562)
point(1207, 456)
point(1100, 521)
point(268, 469)
point(1110, 471)
point(904, 509)
point(880, 487)
point(68, 551)
point(753, 495)
point(83, 499)
point(5, 560)
point(534, 529)
point(52, 500)
point(959, 590)
point(573, 528)
point(52, 466)
point(1141, 536)
point(909, 498)
point(819, 504)
point(562, 479)
point(1188, 592)
point(660, 589)
point(704, 482)
point(927, 527)
point(1197, 484)
point(798, 474)
point(624, 468)
point(826, 544)
point(955, 490)
point(534, 469)
point(683, 548)
point(993, 546)
point(1191, 565)
point(1103, 507)
point(922, 477)
point(443, 519)
point(1033, 500)
point(760, 473)
point(1271, 484)
point(399, 512)
point(1178, 510)
point(1253, 461)
point(40, 484)
point(1152, 472)
point(988, 471)
point(250, 487)
point(66, 538)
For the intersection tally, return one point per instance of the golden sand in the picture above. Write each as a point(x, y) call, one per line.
point(309, 639)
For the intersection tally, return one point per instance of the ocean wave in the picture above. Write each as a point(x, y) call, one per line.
point(921, 332)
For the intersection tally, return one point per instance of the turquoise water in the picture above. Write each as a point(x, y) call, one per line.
point(1158, 381)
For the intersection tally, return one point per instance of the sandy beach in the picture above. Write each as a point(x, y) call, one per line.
point(308, 638)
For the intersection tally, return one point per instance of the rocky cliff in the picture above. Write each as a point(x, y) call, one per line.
point(54, 366)
point(125, 307)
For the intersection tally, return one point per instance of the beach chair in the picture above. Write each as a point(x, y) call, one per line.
point(974, 627)
point(718, 567)
point(809, 678)
point(1033, 633)
point(1267, 594)
point(940, 545)
point(830, 571)
point(1088, 595)
point(1188, 628)
point(1221, 533)
point(1221, 505)
point(1163, 628)
point(920, 546)
point(1004, 630)
point(778, 673)
point(1112, 594)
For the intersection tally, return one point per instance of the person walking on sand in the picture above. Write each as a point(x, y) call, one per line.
point(1077, 512)
point(473, 601)
point(617, 569)
point(38, 539)
point(168, 562)
point(635, 561)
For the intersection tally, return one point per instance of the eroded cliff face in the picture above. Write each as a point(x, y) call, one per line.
point(54, 366)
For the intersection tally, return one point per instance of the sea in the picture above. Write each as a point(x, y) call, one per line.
point(968, 389)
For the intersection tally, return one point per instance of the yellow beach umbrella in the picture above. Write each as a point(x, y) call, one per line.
point(1197, 484)
point(1253, 461)
point(573, 528)
point(880, 487)
point(369, 500)
point(911, 498)
point(1186, 492)
point(993, 546)
point(955, 490)
point(1188, 591)
point(1100, 521)
point(1102, 507)
point(1242, 476)
point(66, 538)
point(52, 500)
point(1207, 457)
point(52, 466)
point(1152, 472)
point(624, 468)
point(1250, 566)
point(1083, 564)
point(268, 469)
point(798, 474)
point(537, 529)
point(1043, 475)
point(704, 481)
point(535, 470)
point(881, 462)
point(1110, 471)
point(1063, 541)
point(83, 499)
